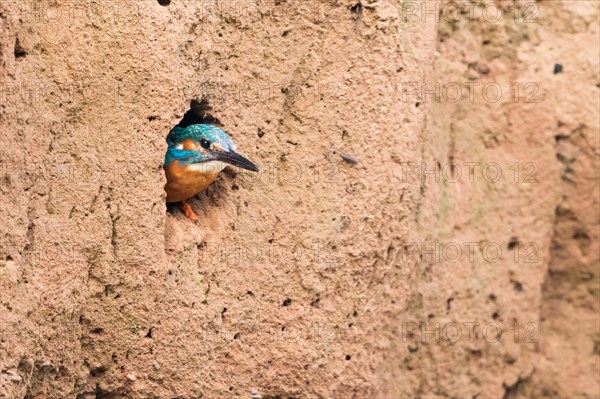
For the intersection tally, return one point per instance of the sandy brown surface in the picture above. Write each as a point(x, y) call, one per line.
point(458, 258)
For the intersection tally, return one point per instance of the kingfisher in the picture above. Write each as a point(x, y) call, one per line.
point(195, 156)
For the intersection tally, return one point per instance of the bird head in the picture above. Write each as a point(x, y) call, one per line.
point(204, 146)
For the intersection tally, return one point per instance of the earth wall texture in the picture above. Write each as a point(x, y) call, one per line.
point(457, 258)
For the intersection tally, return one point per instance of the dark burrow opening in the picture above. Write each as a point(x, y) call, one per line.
point(199, 112)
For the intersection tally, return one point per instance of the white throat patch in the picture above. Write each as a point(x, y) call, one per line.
point(210, 167)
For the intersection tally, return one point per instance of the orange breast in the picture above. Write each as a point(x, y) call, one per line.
point(184, 183)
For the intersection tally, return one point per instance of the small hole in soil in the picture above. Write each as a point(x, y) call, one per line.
point(164, 3)
point(558, 68)
point(348, 357)
point(581, 235)
point(315, 301)
point(98, 371)
point(287, 302)
point(518, 286)
point(512, 244)
point(356, 9)
point(19, 51)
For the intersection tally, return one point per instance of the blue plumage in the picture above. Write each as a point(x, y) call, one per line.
point(195, 155)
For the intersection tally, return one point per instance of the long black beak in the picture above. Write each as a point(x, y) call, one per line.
point(233, 158)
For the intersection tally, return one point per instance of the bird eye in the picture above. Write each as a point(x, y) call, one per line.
point(205, 144)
